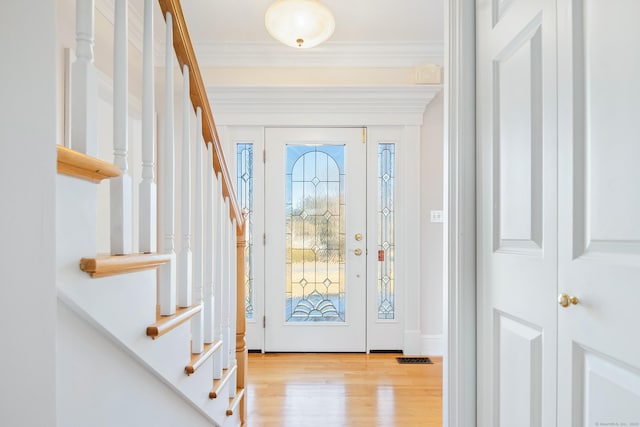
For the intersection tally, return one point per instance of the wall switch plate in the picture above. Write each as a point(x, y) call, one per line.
point(437, 216)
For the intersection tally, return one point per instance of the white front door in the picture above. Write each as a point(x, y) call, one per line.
point(581, 248)
point(315, 243)
point(599, 213)
point(517, 248)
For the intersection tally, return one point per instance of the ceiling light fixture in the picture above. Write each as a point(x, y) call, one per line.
point(299, 23)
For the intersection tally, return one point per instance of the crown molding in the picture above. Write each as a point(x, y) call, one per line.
point(329, 54)
point(326, 106)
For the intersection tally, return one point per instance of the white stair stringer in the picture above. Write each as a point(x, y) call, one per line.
point(203, 418)
point(209, 412)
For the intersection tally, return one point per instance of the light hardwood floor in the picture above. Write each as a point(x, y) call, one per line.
point(333, 390)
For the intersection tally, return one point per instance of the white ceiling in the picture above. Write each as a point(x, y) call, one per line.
point(368, 33)
point(356, 20)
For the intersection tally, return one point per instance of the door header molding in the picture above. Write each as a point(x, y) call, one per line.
point(321, 106)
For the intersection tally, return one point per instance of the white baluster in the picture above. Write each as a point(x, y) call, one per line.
point(148, 228)
point(167, 272)
point(219, 273)
point(232, 307)
point(185, 258)
point(226, 258)
point(209, 251)
point(121, 202)
point(84, 90)
point(197, 323)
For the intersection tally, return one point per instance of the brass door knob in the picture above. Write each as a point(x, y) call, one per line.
point(566, 300)
point(358, 251)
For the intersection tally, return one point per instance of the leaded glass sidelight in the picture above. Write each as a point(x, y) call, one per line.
point(386, 240)
point(315, 227)
point(245, 199)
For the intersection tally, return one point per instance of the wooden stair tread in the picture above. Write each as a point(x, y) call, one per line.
point(110, 265)
point(218, 385)
point(198, 359)
point(235, 401)
point(165, 324)
point(83, 166)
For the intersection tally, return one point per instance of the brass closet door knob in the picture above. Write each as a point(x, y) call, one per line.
point(566, 300)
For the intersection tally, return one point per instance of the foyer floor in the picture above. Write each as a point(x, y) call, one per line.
point(335, 390)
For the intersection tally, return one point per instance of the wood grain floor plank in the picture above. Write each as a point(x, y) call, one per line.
point(334, 390)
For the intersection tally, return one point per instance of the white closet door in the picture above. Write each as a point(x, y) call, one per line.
point(517, 248)
point(599, 213)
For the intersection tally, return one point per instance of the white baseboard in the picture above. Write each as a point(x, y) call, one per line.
point(432, 345)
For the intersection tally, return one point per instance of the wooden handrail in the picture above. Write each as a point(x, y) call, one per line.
point(186, 55)
point(197, 93)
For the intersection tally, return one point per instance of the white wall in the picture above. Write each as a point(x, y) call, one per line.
point(27, 220)
point(431, 159)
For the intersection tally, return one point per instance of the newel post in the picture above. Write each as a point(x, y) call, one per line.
point(242, 356)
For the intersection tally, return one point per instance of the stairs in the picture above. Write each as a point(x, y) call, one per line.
point(107, 307)
point(127, 321)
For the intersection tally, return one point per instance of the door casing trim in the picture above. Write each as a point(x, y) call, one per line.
point(459, 370)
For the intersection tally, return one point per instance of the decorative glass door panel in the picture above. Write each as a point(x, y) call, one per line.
point(315, 226)
point(244, 185)
point(386, 239)
point(315, 266)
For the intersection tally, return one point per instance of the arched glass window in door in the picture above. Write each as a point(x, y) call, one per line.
point(315, 241)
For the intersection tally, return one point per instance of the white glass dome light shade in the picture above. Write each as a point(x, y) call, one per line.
point(299, 23)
